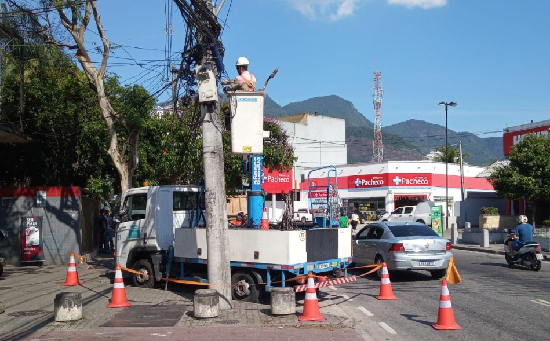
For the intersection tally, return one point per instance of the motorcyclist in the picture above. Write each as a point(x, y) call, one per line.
point(523, 234)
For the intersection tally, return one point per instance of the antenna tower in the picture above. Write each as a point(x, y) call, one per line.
point(377, 94)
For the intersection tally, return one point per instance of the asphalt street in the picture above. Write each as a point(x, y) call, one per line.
point(493, 302)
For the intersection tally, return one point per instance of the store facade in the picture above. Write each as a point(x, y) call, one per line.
point(367, 188)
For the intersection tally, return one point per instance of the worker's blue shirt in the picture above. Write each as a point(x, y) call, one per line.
point(525, 233)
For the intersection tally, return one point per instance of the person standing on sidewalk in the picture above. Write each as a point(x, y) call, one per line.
point(343, 220)
point(354, 220)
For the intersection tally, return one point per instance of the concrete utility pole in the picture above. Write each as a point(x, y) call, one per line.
point(217, 234)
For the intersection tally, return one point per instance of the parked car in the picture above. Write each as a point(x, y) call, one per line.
point(403, 246)
point(303, 215)
point(421, 213)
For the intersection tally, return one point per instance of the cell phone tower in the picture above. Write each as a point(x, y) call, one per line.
point(377, 94)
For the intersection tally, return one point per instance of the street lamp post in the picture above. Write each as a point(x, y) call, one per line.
point(447, 104)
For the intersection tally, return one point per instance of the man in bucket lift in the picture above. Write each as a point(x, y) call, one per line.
point(245, 81)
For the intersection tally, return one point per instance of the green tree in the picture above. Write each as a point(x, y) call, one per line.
point(450, 155)
point(527, 175)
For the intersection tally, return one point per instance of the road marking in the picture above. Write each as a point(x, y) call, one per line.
point(386, 327)
point(332, 288)
point(346, 297)
point(541, 302)
point(365, 311)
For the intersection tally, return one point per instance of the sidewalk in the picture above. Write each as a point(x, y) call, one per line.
point(28, 295)
point(497, 249)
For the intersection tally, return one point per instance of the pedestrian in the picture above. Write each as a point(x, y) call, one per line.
point(354, 220)
point(103, 231)
point(343, 220)
point(110, 244)
point(245, 81)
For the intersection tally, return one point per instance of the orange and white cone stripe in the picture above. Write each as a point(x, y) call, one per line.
point(445, 316)
point(118, 299)
point(386, 292)
point(72, 273)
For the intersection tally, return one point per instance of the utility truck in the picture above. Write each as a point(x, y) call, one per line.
point(162, 234)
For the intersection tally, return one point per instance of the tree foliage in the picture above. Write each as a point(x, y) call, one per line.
point(449, 155)
point(528, 173)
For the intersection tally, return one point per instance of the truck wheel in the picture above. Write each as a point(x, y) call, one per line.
point(147, 278)
point(243, 287)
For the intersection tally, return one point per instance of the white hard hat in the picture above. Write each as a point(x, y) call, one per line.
point(242, 61)
point(522, 219)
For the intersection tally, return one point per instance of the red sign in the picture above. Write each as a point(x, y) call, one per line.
point(410, 180)
point(512, 138)
point(275, 182)
point(31, 239)
point(367, 181)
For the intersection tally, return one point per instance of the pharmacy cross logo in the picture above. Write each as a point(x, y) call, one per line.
point(357, 182)
point(397, 180)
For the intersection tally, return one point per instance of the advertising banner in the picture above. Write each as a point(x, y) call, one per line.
point(277, 182)
point(436, 220)
point(31, 239)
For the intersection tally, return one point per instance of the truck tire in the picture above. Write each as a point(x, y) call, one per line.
point(147, 279)
point(243, 287)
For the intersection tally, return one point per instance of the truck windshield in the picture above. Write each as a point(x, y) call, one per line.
point(135, 205)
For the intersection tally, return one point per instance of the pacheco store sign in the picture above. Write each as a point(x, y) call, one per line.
point(390, 180)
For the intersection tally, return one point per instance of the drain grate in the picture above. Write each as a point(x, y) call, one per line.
point(147, 316)
point(29, 313)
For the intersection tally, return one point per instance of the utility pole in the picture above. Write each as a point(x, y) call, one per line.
point(461, 172)
point(217, 233)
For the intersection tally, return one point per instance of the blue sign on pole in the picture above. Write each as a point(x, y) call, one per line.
point(257, 172)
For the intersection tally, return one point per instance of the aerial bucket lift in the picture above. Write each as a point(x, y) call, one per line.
point(247, 139)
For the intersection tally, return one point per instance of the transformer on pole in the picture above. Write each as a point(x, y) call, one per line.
point(377, 94)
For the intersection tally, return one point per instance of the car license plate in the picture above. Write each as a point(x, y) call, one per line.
point(539, 256)
point(323, 266)
point(426, 263)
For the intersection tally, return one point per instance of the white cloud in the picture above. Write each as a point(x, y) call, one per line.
point(332, 9)
point(338, 9)
point(426, 4)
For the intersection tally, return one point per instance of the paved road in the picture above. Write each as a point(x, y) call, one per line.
point(493, 302)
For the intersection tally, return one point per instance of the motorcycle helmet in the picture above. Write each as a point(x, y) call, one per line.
point(522, 219)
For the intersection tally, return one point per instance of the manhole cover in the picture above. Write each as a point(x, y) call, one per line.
point(147, 316)
point(28, 313)
point(229, 322)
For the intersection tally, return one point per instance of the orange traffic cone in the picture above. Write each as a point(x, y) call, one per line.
point(264, 224)
point(72, 274)
point(118, 299)
point(311, 305)
point(386, 293)
point(445, 316)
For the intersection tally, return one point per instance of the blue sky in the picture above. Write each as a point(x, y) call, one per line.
point(492, 57)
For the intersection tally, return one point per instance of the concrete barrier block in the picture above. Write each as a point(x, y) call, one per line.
point(485, 238)
point(283, 301)
point(67, 306)
point(205, 303)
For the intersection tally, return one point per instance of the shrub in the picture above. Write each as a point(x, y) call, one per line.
point(489, 210)
point(546, 222)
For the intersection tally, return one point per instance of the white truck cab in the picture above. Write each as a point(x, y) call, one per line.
point(149, 216)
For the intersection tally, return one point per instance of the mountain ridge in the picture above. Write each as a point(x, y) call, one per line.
point(404, 141)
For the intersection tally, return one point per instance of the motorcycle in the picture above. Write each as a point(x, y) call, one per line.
point(529, 255)
point(3, 235)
